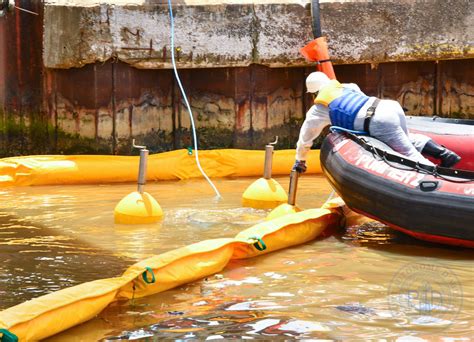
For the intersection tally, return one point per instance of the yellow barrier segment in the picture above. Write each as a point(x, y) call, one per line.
point(174, 165)
point(50, 314)
point(177, 267)
point(55, 312)
point(285, 231)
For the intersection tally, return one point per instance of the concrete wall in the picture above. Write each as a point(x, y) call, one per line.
point(263, 32)
point(96, 100)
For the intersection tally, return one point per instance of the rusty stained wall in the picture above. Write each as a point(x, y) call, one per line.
point(101, 107)
point(23, 123)
point(443, 88)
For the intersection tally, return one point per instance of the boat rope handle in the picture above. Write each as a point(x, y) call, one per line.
point(339, 129)
point(448, 174)
point(436, 171)
point(145, 278)
point(7, 336)
point(262, 246)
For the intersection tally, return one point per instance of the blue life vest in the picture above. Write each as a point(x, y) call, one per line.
point(344, 108)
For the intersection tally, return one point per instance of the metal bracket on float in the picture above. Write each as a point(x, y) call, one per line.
point(140, 147)
point(275, 142)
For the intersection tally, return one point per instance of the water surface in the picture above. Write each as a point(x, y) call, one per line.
point(343, 287)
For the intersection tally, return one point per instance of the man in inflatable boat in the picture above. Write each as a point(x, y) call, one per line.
point(345, 105)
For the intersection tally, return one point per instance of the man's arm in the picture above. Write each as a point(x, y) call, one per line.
point(316, 119)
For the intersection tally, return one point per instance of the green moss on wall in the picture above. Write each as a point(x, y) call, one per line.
point(40, 137)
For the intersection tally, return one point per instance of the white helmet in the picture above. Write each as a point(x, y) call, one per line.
point(315, 81)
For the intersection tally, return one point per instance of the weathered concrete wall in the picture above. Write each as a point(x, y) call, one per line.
point(405, 30)
point(260, 31)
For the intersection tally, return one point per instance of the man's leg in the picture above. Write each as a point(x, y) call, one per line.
point(427, 146)
point(448, 158)
point(418, 140)
point(389, 126)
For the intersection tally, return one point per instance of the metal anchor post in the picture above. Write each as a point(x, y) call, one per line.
point(138, 207)
point(293, 187)
point(142, 167)
point(267, 168)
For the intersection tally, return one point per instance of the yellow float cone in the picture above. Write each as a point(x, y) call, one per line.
point(138, 207)
point(290, 207)
point(265, 193)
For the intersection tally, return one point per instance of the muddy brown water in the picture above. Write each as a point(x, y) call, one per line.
point(367, 282)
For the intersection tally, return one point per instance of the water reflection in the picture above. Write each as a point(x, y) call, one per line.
point(35, 260)
point(371, 233)
point(235, 325)
point(327, 289)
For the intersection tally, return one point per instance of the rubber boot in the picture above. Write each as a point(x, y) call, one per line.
point(448, 158)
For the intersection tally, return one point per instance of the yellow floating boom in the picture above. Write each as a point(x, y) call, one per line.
point(174, 165)
point(50, 314)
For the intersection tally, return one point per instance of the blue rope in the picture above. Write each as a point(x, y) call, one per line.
point(339, 129)
point(185, 98)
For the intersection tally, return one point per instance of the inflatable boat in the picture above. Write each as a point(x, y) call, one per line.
point(429, 203)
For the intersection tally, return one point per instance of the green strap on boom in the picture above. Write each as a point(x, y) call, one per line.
point(7, 336)
point(260, 245)
point(145, 278)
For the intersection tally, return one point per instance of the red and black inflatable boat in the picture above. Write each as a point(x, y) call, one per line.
point(455, 134)
point(429, 203)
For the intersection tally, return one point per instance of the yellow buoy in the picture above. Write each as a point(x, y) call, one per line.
point(290, 207)
point(265, 192)
point(138, 207)
point(282, 210)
